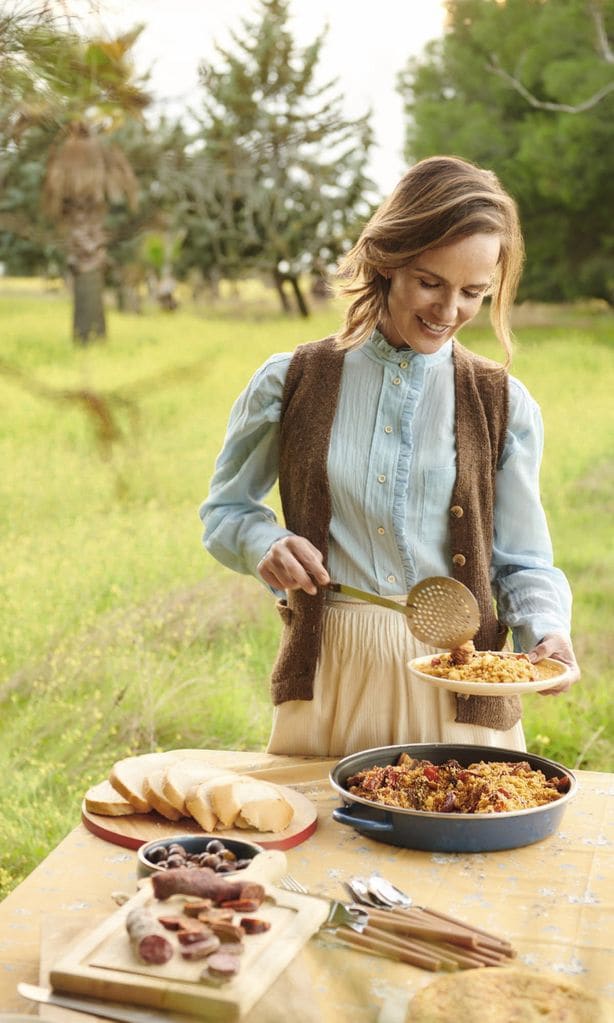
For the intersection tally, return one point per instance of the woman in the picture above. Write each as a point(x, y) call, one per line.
point(400, 455)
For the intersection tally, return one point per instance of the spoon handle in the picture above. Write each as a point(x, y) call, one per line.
point(373, 598)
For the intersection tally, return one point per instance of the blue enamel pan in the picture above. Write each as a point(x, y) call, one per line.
point(449, 832)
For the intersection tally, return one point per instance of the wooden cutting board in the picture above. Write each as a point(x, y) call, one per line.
point(134, 830)
point(102, 964)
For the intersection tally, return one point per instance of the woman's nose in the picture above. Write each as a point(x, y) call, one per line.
point(447, 306)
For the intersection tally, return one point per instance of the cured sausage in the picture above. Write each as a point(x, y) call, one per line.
point(252, 926)
point(198, 906)
point(201, 949)
point(241, 905)
point(173, 923)
point(204, 884)
point(191, 934)
point(222, 966)
point(147, 937)
point(226, 930)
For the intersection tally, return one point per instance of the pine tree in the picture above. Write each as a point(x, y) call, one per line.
point(279, 180)
point(526, 88)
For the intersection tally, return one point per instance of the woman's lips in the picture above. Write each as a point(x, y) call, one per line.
point(435, 328)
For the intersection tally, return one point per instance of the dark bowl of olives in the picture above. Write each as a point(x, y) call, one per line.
point(223, 855)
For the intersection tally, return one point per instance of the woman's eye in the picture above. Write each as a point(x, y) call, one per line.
point(472, 294)
point(427, 284)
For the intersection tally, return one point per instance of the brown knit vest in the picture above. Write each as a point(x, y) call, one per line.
point(308, 409)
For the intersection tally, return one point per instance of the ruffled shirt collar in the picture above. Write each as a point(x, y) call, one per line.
point(379, 348)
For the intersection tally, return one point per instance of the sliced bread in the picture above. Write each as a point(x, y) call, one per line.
point(198, 801)
point(248, 802)
point(154, 794)
point(107, 801)
point(182, 776)
point(128, 776)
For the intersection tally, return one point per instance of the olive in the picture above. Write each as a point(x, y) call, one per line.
point(211, 860)
point(228, 855)
point(175, 861)
point(157, 854)
point(215, 846)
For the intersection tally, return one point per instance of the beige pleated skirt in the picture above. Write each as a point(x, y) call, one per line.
point(364, 695)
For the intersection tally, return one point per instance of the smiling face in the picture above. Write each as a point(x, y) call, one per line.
point(438, 291)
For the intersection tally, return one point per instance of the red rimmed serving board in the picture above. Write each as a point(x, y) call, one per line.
point(135, 830)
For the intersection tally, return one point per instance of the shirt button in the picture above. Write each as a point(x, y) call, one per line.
point(381, 478)
point(459, 559)
point(391, 578)
point(381, 530)
point(396, 381)
point(457, 511)
point(404, 364)
point(387, 429)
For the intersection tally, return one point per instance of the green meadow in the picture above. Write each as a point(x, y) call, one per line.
point(119, 635)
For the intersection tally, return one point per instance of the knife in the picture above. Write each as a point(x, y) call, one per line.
point(110, 1010)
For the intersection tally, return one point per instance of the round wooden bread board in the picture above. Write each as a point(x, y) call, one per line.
point(134, 830)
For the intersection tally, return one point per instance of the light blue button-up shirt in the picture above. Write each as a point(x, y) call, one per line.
point(392, 467)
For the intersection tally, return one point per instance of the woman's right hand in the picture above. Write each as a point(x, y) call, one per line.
point(293, 563)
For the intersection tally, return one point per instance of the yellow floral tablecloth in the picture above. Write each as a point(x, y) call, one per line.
point(552, 900)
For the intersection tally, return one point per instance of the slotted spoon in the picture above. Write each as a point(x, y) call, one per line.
point(439, 611)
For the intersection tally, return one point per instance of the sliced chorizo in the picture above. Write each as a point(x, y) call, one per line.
point(253, 926)
point(222, 966)
point(147, 937)
point(201, 949)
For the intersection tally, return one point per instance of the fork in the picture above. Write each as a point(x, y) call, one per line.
point(292, 885)
point(341, 914)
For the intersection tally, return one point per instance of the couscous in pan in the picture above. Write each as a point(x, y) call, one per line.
point(464, 827)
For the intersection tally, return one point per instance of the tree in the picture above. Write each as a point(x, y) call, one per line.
point(526, 88)
point(85, 175)
point(76, 91)
point(277, 177)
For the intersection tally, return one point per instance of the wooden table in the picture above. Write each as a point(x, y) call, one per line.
point(552, 900)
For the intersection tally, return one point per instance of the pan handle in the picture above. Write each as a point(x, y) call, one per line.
point(349, 815)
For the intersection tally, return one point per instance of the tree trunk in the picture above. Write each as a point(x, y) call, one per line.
point(88, 318)
point(87, 259)
point(278, 280)
point(300, 301)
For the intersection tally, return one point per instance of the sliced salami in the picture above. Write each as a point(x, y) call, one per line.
point(147, 937)
point(201, 949)
point(223, 964)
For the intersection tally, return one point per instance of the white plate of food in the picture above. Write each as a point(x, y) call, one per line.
point(489, 673)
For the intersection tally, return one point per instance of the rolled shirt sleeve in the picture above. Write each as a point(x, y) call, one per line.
point(533, 597)
point(239, 527)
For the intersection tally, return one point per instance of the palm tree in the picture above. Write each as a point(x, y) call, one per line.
point(83, 89)
point(85, 175)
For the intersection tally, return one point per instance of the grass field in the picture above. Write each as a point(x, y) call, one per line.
point(119, 635)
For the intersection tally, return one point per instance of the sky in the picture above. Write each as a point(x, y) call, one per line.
point(367, 44)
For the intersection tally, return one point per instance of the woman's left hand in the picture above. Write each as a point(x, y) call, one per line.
point(559, 648)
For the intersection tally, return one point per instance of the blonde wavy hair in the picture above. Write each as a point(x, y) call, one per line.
point(438, 201)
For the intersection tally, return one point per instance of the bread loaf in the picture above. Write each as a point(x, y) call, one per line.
point(182, 783)
point(248, 803)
